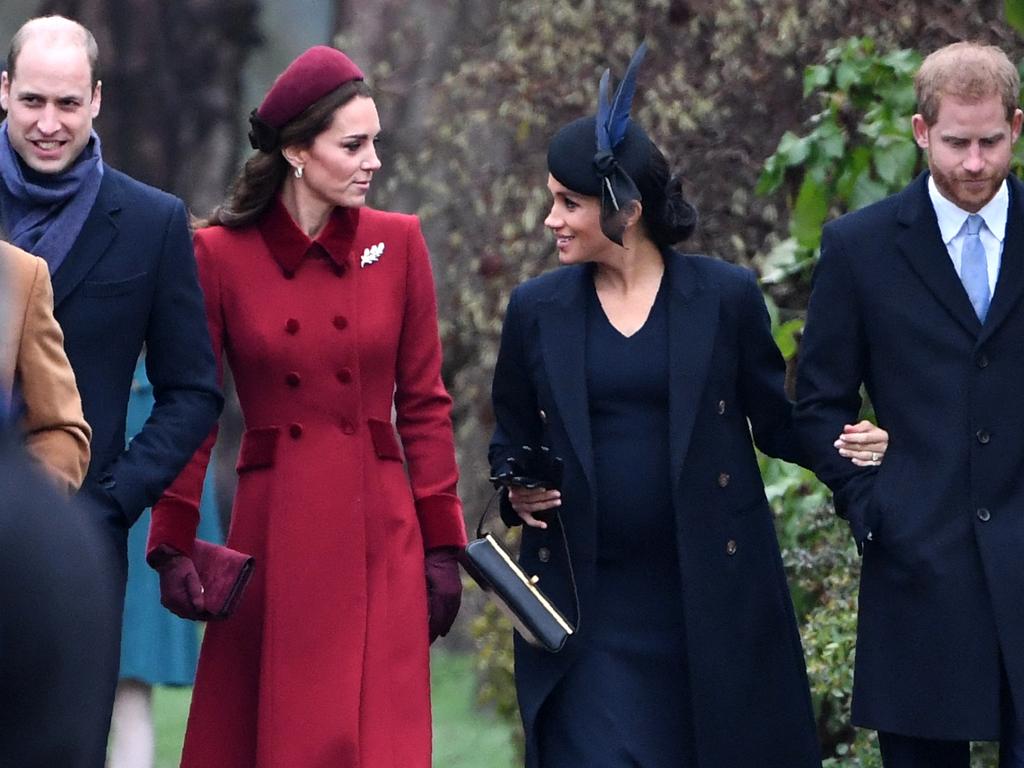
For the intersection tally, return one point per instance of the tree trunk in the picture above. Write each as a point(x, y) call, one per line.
point(171, 75)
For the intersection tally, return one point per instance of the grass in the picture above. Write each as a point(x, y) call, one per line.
point(464, 734)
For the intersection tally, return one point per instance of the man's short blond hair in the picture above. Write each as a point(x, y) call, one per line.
point(967, 71)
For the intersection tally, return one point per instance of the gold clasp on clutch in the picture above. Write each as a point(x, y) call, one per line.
point(534, 579)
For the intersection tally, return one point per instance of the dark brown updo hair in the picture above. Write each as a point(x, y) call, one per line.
point(260, 179)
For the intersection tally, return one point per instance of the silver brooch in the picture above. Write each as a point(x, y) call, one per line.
point(371, 255)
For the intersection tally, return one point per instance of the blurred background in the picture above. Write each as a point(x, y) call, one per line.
point(779, 114)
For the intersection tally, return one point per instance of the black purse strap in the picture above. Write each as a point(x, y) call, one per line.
point(480, 533)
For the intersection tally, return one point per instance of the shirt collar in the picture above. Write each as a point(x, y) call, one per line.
point(289, 245)
point(952, 217)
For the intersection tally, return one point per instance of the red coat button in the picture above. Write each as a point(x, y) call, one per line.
point(292, 379)
point(292, 326)
point(344, 376)
point(348, 427)
point(340, 322)
point(295, 430)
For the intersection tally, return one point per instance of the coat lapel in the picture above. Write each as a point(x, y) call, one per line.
point(563, 346)
point(1010, 284)
point(692, 325)
point(97, 233)
point(921, 244)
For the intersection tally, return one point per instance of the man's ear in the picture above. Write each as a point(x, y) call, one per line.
point(920, 127)
point(97, 98)
point(5, 90)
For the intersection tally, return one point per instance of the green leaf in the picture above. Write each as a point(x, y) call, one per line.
point(1015, 14)
point(831, 141)
point(816, 76)
point(771, 176)
point(809, 213)
point(846, 75)
point(785, 337)
point(793, 149)
point(866, 191)
point(895, 158)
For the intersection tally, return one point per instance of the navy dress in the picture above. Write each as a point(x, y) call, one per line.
point(625, 700)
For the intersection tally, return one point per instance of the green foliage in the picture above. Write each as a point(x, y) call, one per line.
point(1014, 10)
point(856, 150)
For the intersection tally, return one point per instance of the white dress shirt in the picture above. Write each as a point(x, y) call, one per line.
point(951, 225)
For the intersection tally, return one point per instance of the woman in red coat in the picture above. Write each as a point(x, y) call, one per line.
point(326, 312)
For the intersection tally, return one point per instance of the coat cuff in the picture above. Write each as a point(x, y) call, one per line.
point(441, 521)
point(174, 524)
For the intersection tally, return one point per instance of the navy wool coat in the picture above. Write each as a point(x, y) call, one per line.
point(942, 585)
point(128, 280)
point(746, 666)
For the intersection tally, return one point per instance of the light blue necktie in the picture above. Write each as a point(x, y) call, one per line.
point(974, 267)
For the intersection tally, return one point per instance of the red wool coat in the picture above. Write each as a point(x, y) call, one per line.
point(325, 665)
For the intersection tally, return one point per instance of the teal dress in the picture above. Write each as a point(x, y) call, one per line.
point(156, 646)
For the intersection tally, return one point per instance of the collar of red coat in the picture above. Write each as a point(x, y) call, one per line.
point(290, 246)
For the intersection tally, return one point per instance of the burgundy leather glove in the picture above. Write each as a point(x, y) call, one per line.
point(181, 591)
point(444, 589)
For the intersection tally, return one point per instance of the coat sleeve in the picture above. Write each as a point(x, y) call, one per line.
point(832, 366)
point(762, 380)
point(423, 406)
point(56, 433)
point(176, 515)
point(180, 365)
point(513, 399)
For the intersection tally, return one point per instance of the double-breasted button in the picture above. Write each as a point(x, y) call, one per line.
point(723, 479)
point(983, 436)
point(344, 376)
point(721, 407)
point(340, 322)
point(982, 360)
point(295, 430)
point(543, 416)
point(730, 547)
point(544, 554)
point(348, 427)
point(984, 515)
point(292, 379)
point(292, 326)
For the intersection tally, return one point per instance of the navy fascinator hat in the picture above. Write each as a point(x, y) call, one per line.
point(602, 155)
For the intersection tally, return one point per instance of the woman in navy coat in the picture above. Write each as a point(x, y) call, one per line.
point(652, 374)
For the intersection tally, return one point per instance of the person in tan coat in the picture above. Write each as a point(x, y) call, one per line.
point(35, 373)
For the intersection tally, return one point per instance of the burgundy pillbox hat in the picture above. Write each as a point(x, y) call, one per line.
point(308, 79)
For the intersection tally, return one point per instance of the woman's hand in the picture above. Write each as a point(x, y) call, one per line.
point(528, 502)
point(863, 443)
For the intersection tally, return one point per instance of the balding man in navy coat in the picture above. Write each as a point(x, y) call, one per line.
point(124, 276)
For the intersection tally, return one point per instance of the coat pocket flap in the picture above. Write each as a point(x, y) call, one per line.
point(385, 441)
point(259, 446)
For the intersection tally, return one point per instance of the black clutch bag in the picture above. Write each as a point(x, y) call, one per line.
point(533, 615)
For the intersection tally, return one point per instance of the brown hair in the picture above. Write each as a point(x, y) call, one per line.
point(263, 173)
point(968, 71)
point(48, 23)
